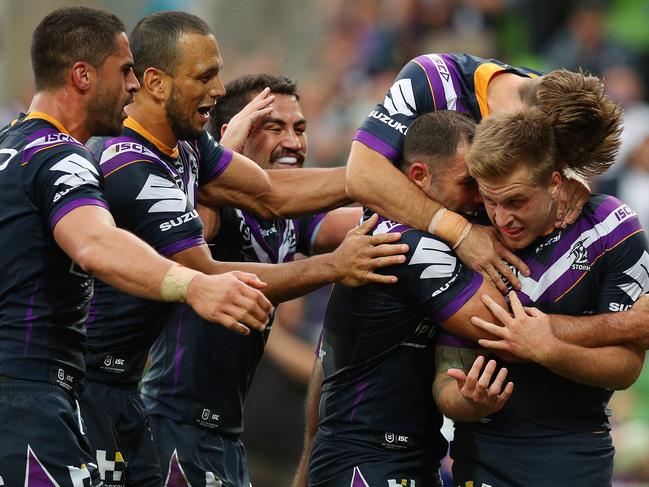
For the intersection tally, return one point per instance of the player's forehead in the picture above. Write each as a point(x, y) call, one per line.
point(286, 109)
point(198, 53)
point(122, 53)
point(516, 184)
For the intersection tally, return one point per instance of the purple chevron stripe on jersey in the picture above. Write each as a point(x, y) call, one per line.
point(444, 81)
point(456, 76)
point(357, 479)
point(36, 475)
point(311, 233)
point(51, 137)
point(180, 351)
point(460, 300)
point(181, 245)
point(448, 340)
point(376, 144)
point(29, 320)
point(223, 164)
point(360, 392)
point(68, 207)
point(176, 476)
point(439, 97)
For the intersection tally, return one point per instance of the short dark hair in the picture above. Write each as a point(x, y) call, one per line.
point(69, 35)
point(436, 136)
point(154, 40)
point(240, 91)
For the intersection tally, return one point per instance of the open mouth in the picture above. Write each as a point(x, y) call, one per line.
point(205, 111)
point(511, 232)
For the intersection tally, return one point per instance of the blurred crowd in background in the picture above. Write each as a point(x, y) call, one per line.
point(344, 55)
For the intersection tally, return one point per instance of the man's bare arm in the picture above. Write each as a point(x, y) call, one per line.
point(312, 418)
point(374, 181)
point(89, 236)
point(614, 367)
point(353, 263)
point(275, 193)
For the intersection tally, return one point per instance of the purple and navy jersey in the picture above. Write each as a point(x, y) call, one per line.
point(429, 83)
point(44, 174)
point(599, 264)
point(151, 190)
point(201, 372)
point(377, 350)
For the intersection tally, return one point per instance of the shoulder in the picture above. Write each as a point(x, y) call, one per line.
point(120, 152)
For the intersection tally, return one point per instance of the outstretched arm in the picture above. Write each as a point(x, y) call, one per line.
point(374, 181)
point(528, 334)
point(353, 263)
point(89, 236)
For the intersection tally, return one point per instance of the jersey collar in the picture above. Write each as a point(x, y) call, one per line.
point(134, 125)
point(48, 118)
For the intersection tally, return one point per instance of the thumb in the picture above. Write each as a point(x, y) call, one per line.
point(458, 375)
point(250, 279)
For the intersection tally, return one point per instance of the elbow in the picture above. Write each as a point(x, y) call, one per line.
point(88, 256)
point(271, 205)
point(626, 381)
point(354, 182)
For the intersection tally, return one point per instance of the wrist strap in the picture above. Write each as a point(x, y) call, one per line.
point(176, 282)
point(449, 226)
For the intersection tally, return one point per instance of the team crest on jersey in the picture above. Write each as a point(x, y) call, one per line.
point(579, 254)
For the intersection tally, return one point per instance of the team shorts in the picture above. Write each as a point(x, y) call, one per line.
point(120, 437)
point(348, 463)
point(575, 460)
point(191, 455)
point(42, 439)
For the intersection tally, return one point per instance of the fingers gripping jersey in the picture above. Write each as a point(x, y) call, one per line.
point(44, 174)
point(151, 191)
point(200, 373)
point(429, 83)
point(597, 265)
point(378, 356)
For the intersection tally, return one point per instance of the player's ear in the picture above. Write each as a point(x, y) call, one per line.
point(157, 83)
point(555, 184)
point(83, 74)
point(418, 173)
point(223, 129)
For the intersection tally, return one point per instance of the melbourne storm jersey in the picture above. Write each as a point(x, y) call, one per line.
point(44, 174)
point(377, 355)
point(151, 190)
point(201, 372)
point(429, 83)
point(596, 265)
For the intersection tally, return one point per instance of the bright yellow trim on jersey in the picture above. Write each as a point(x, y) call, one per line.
point(481, 79)
point(430, 86)
point(49, 118)
point(595, 261)
point(162, 147)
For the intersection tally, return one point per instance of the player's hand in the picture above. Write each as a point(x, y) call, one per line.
point(483, 252)
point(573, 195)
point(359, 255)
point(239, 126)
point(485, 396)
point(231, 299)
point(642, 304)
point(527, 334)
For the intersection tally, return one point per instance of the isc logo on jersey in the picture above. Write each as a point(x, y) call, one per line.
point(399, 100)
point(77, 171)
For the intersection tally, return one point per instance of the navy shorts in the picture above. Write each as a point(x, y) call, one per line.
point(191, 455)
point(345, 463)
point(119, 433)
point(42, 440)
point(575, 460)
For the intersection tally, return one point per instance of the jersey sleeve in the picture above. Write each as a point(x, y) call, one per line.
point(214, 158)
point(384, 129)
point(145, 200)
point(432, 277)
point(308, 228)
point(625, 262)
point(62, 178)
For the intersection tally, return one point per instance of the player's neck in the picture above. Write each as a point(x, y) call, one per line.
point(502, 92)
point(153, 119)
point(65, 109)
